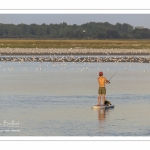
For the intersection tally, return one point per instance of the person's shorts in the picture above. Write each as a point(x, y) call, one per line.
point(102, 90)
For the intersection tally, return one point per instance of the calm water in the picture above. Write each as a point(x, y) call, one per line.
point(55, 99)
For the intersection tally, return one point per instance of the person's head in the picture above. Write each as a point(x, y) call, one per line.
point(101, 73)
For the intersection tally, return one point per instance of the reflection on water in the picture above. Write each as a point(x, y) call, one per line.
point(101, 114)
point(73, 116)
point(56, 100)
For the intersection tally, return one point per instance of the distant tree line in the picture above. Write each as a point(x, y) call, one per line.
point(90, 30)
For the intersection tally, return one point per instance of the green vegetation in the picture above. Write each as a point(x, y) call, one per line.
point(106, 44)
point(88, 31)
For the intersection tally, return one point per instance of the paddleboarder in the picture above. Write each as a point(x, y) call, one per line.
point(102, 89)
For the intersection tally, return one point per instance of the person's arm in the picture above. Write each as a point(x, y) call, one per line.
point(107, 81)
point(98, 80)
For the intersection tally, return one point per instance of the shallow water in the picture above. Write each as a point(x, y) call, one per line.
point(55, 99)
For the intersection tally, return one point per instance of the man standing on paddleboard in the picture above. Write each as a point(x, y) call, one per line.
point(102, 89)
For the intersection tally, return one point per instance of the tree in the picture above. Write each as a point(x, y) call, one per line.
point(90, 30)
point(112, 34)
point(101, 35)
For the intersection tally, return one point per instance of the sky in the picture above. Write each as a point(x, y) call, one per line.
point(132, 19)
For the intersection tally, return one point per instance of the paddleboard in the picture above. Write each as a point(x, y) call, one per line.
point(102, 107)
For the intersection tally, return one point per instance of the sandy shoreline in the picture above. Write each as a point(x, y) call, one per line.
point(72, 51)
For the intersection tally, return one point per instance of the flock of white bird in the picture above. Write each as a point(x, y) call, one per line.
point(61, 57)
point(80, 66)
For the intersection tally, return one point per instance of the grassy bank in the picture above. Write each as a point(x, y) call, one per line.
point(106, 44)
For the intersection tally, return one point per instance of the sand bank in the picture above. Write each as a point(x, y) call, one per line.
point(72, 51)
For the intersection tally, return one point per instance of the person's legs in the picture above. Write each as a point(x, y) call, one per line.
point(105, 96)
point(99, 96)
point(99, 99)
point(103, 99)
